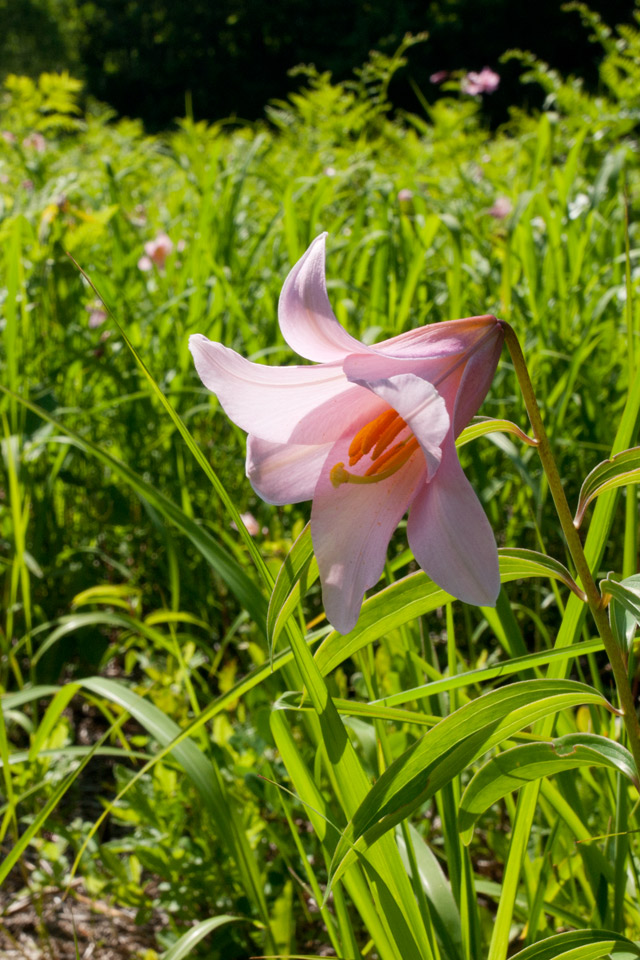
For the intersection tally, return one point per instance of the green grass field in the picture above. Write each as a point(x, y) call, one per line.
point(181, 728)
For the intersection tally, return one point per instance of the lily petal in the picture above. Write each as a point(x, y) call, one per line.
point(306, 319)
point(421, 407)
point(308, 404)
point(475, 381)
point(444, 339)
point(351, 527)
point(451, 538)
point(284, 473)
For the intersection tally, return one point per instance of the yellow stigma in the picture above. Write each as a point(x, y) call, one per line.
point(374, 439)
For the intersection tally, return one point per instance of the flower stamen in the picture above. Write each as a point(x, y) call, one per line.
point(393, 459)
point(374, 438)
point(370, 434)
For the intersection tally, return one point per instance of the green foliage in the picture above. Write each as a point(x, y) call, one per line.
point(140, 614)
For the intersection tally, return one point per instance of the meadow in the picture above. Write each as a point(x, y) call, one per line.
point(182, 732)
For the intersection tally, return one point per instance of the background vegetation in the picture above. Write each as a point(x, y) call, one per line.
point(134, 599)
point(232, 56)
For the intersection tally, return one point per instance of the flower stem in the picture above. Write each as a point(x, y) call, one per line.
point(574, 543)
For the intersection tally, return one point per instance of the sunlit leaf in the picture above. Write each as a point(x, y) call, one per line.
point(416, 594)
point(581, 945)
point(183, 947)
point(449, 748)
point(624, 607)
point(621, 470)
point(508, 771)
point(481, 426)
point(298, 571)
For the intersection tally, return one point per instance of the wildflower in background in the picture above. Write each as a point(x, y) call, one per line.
point(501, 208)
point(250, 522)
point(156, 252)
point(8, 136)
point(97, 315)
point(405, 202)
point(439, 76)
point(366, 433)
point(35, 141)
point(487, 81)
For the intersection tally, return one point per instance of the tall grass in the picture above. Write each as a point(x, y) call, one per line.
point(148, 742)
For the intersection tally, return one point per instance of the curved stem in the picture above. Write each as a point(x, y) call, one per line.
point(574, 543)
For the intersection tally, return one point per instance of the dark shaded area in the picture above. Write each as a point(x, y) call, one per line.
point(233, 56)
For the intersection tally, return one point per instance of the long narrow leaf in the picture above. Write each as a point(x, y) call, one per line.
point(508, 771)
point(449, 748)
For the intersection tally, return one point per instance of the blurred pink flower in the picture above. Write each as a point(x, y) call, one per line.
point(250, 522)
point(487, 81)
point(8, 137)
point(439, 76)
point(501, 208)
point(156, 252)
point(97, 315)
point(366, 433)
point(405, 195)
point(35, 141)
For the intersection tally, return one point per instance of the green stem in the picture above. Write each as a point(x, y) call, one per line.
point(594, 598)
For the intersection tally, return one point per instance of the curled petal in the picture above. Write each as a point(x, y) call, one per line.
point(351, 527)
point(313, 404)
point(451, 537)
point(421, 407)
point(306, 319)
point(283, 473)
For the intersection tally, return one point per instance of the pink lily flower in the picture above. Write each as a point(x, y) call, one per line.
point(366, 433)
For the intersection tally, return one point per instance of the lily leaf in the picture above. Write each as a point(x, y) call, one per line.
point(619, 471)
point(581, 945)
point(416, 595)
point(446, 750)
point(296, 575)
point(508, 771)
point(624, 607)
point(480, 426)
point(516, 563)
point(184, 946)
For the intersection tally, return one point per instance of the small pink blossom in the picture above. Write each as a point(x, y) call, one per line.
point(487, 81)
point(8, 137)
point(97, 315)
point(439, 76)
point(156, 252)
point(501, 208)
point(405, 195)
point(250, 522)
point(27, 184)
point(366, 432)
point(35, 141)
